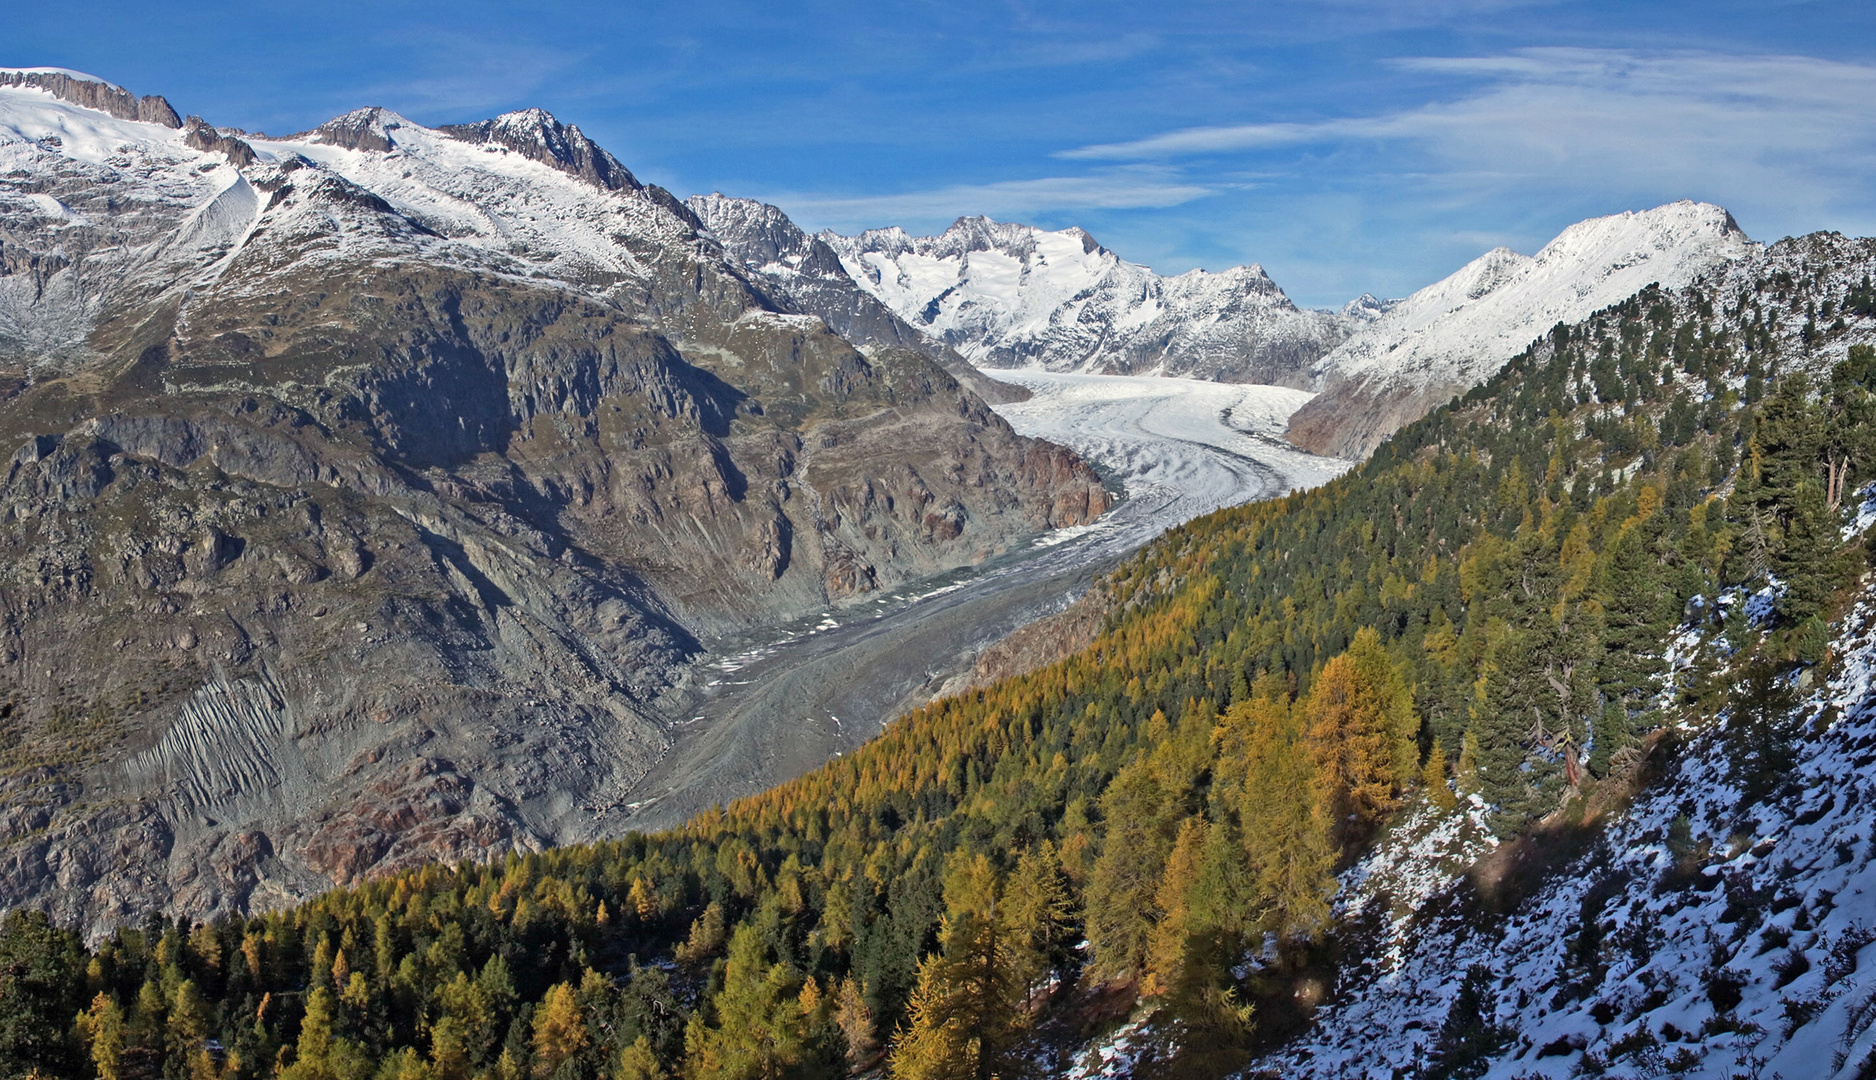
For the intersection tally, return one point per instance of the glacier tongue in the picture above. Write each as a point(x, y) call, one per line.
point(1184, 447)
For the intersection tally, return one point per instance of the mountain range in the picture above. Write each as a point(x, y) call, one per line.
point(1015, 296)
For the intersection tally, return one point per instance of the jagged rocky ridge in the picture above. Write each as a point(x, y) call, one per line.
point(1008, 295)
point(373, 485)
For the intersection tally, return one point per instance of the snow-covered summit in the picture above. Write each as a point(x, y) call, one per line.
point(1016, 296)
point(1457, 332)
point(368, 128)
point(1463, 327)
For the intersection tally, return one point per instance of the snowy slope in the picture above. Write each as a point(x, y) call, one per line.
point(1457, 332)
point(1015, 296)
point(498, 206)
point(521, 196)
point(95, 208)
point(1755, 955)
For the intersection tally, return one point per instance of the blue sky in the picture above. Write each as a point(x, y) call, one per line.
point(1347, 145)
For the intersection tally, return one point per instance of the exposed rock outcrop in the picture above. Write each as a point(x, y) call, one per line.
point(93, 93)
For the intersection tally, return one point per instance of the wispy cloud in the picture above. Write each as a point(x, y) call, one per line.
point(1211, 140)
point(1117, 190)
point(1797, 125)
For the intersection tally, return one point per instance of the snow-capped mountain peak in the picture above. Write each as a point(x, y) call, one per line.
point(1457, 332)
point(1016, 296)
point(535, 134)
point(1462, 328)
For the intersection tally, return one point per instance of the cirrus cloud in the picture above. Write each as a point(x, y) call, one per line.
point(1794, 130)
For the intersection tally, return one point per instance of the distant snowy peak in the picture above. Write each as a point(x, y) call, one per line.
point(1417, 352)
point(1366, 308)
point(361, 129)
point(1015, 296)
point(803, 274)
point(966, 235)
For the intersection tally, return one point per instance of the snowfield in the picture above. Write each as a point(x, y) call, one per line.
point(1185, 446)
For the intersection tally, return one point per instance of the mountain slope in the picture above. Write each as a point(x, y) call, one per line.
point(1455, 333)
point(1013, 296)
point(373, 485)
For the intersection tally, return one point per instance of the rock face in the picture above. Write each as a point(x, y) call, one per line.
point(1013, 296)
point(368, 491)
point(93, 93)
point(1415, 354)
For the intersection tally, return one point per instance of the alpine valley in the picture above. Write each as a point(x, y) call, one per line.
point(471, 614)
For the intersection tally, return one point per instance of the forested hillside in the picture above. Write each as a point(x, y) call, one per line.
point(1481, 610)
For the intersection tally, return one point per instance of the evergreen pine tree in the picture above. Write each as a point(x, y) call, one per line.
point(1637, 614)
point(1812, 563)
point(1470, 1036)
